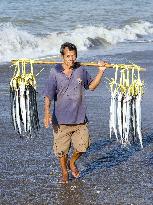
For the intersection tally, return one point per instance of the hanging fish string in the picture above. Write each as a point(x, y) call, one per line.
point(126, 90)
point(23, 99)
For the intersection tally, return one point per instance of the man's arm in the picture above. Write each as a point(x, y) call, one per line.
point(98, 77)
point(47, 114)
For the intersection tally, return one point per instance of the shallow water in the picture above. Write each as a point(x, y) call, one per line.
point(110, 173)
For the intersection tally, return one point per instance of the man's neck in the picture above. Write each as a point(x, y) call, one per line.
point(65, 67)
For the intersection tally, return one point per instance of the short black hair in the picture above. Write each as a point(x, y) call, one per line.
point(68, 45)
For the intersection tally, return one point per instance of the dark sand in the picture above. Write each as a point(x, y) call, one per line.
point(110, 173)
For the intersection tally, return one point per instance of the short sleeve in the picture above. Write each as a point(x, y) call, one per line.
point(50, 86)
point(87, 79)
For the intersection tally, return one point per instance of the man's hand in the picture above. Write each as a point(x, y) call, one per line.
point(47, 120)
point(102, 65)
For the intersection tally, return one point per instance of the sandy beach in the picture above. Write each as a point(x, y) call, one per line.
point(110, 173)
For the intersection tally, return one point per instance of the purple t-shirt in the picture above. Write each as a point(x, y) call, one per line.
point(68, 94)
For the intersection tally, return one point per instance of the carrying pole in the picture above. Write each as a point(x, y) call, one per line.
point(92, 64)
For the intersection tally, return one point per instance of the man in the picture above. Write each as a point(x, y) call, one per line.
point(65, 88)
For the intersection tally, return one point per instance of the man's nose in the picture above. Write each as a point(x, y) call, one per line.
point(71, 59)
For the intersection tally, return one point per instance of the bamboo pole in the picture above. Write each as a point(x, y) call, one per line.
point(94, 64)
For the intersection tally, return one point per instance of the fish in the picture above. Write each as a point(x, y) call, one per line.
point(119, 116)
point(112, 122)
point(125, 106)
point(28, 110)
point(24, 101)
point(128, 102)
point(22, 105)
point(138, 116)
point(17, 99)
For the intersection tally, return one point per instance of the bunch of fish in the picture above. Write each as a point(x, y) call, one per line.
point(125, 107)
point(23, 99)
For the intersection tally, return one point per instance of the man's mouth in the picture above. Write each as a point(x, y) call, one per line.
point(71, 62)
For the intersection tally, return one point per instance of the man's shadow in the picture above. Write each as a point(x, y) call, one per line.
point(113, 154)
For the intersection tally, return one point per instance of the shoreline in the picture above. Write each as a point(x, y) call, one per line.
point(94, 53)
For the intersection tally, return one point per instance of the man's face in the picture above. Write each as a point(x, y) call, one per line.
point(69, 57)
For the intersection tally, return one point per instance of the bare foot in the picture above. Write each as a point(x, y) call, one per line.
point(64, 178)
point(74, 170)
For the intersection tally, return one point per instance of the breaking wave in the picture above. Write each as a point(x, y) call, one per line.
point(16, 43)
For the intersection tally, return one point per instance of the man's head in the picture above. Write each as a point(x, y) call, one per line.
point(69, 53)
point(70, 46)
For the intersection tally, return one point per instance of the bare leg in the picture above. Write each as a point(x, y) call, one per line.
point(72, 165)
point(63, 164)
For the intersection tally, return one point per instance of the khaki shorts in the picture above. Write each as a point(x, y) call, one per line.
point(65, 135)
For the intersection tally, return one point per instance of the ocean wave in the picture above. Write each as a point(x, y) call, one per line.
point(17, 43)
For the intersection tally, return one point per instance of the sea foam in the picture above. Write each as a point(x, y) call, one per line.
point(16, 43)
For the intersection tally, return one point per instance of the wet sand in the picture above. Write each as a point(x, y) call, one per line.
point(110, 173)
